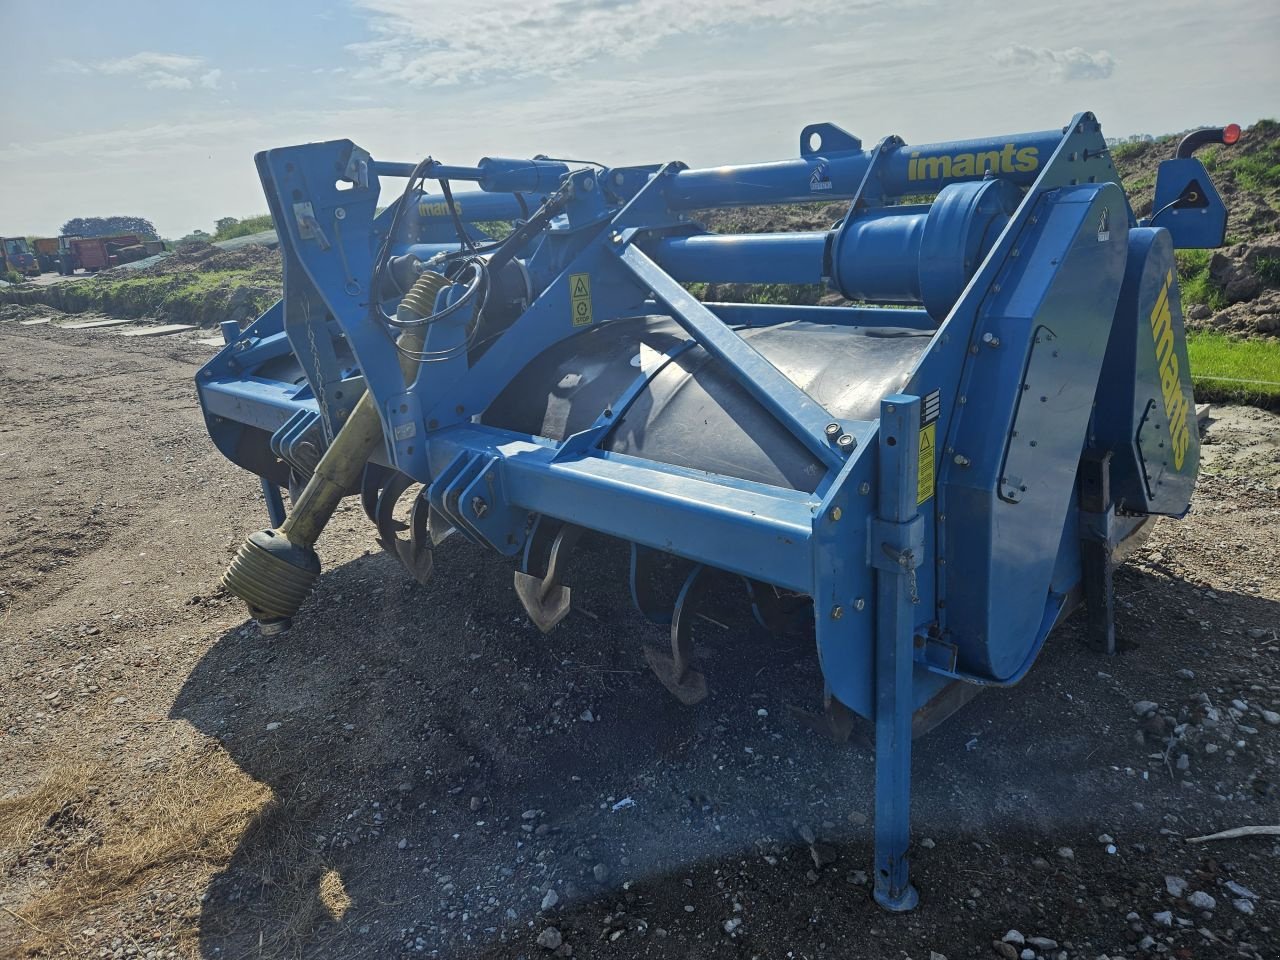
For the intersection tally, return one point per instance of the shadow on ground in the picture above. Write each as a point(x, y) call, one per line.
point(442, 772)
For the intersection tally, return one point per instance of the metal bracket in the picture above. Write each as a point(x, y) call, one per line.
point(1097, 548)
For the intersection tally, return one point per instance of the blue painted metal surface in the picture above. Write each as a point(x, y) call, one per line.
point(1012, 323)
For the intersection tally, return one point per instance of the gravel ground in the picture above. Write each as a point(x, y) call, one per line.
point(416, 771)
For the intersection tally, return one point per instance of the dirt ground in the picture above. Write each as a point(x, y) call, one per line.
point(416, 771)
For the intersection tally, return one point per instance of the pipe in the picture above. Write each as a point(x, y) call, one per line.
point(907, 170)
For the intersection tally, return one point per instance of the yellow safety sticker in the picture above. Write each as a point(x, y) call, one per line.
point(928, 443)
point(580, 299)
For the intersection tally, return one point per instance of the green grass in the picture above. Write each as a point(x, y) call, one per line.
point(193, 296)
point(1229, 369)
point(242, 228)
point(1194, 280)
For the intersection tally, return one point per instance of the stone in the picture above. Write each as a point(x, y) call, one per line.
point(1244, 905)
point(822, 854)
point(1240, 890)
point(1199, 311)
point(1013, 936)
point(1027, 954)
point(1243, 289)
point(1202, 901)
point(1006, 950)
point(550, 900)
point(1042, 943)
point(1144, 707)
point(1164, 918)
point(601, 873)
point(732, 924)
point(550, 938)
point(1176, 886)
point(1271, 717)
point(806, 833)
point(1066, 853)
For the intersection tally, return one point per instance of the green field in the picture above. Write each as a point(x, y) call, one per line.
point(1242, 371)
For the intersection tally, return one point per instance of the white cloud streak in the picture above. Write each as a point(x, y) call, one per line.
point(155, 71)
point(515, 39)
point(1074, 63)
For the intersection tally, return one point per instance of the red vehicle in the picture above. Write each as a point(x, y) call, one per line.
point(98, 253)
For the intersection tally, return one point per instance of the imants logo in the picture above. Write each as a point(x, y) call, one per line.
point(820, 179)
point(1009, 159)
point(1175, 398)
point(429, 209)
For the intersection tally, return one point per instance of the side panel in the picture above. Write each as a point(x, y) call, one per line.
point(1050, 312)
point(1155, 447)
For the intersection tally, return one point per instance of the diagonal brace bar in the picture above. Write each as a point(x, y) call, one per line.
point(794, 408)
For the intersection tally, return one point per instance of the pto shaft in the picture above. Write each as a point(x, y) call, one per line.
point(274, 570)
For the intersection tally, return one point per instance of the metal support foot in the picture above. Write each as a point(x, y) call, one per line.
point(897, 548)
point(1097, 547)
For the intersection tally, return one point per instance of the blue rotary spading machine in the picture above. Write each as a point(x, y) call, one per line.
point(945, 465)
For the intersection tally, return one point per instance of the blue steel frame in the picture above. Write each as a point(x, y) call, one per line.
point(874, 544)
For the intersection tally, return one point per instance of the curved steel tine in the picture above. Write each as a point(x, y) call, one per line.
point(766, 605)
point(643, 560)
point(675, 672)
point(416, 553)
point(537, 543)
point(544, 599)
point(384, 513)
point(370, 486)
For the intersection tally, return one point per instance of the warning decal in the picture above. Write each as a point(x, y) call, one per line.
point(928, 446)
point(580, 299)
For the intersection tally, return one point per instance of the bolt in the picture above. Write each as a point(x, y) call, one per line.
point(833, 429)
point(588, 184)
point(837, 612)
point(990, 340)
point(846, 441)
point(836, 513)
point(616, 238)
point(961, 460)
point(864, 488)
point(478, 506)
point(340, 213)
point(859, 604)
point(619, 179)
point(942, 518)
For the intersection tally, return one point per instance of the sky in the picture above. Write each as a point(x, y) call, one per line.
point(155, 109)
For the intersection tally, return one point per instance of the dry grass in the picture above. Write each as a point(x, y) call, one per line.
point(102, 851)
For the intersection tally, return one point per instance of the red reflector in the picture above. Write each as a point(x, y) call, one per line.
point(1231, 133)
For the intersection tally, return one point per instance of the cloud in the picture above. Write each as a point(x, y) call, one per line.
point(147, 62)
point(516, 39)
point(1074, 63)
point(155, 71)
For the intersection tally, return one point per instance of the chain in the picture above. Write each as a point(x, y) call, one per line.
point(906, 560)
point(321, 399)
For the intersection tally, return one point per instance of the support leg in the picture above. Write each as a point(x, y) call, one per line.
point(897, 546)
point(275, 502)
point(1097, 544)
